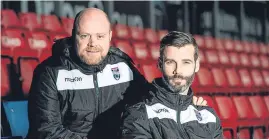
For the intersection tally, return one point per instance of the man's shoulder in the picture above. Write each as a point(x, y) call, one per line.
point(48, 64)
point(137, 110)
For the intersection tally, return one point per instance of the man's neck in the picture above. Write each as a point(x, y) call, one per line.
point(184, 92)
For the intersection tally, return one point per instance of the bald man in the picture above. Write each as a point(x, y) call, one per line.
point(81, 90)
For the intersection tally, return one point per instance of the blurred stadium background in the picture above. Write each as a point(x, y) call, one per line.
point(233, 39)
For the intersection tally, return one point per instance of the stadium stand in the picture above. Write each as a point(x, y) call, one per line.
point(233, 78)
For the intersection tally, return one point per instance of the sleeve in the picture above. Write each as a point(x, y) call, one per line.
point(218, 134)
point(216, 129)
point(45, 119)
point(135, 126)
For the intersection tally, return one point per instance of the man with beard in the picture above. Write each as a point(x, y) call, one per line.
point(168, 113)
point(81, 90)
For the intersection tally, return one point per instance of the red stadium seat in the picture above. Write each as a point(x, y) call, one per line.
point(244, 60)
point(247, 47)
point(44, 55)
point(30, 20)
point(238, 46)
point(228, 114)
point(51, 23)
point(263, 49)
point(202, 56)
point(209, 42)
point(223, 58)
point(151, 72)
point(266, 100)
point(228, 45)
point(5, 83)
point(245, 78)
point(68, 24)
point(205, 77)
point(195, 85)
point(255, 60)
point(212, 57)
point(9, 19)
point(227, 135)
point(39, 40)
point(137, 33)
point(265, 75)
point(254, 48)
point(244, 134)
point(234, 58)
point(121, 31)
point(258, 134)
point(151, 36)
point(162, 33)
point(219, 44)
point(243, 107)
point(232, 77)
point(56, 36)
point(39, 44)
point(125, 47)
point(26, 70)
point(264, 61)
point(12, 38)
point(155, 51)
point(200, 41)
point(141, 51)
point(259, 107)
point(257, 78)
point(219, 77)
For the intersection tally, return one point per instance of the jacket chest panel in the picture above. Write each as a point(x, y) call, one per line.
point(111, 75)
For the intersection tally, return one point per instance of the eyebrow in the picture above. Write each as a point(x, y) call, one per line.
point(187, 60)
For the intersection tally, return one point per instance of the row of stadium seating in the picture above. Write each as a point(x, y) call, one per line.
point(233, 78)
point(242, 117)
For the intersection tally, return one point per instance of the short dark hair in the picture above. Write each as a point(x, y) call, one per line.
point(178, 39)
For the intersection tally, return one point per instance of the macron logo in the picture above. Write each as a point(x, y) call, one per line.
point(161, 110)
point(73, 80)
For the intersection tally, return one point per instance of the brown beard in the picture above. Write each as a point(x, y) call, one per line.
point(177, 87)
point(91, 61)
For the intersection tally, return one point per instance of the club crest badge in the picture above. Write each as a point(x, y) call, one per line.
point(116, 73)
point(198, 115)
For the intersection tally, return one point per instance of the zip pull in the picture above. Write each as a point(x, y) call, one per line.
point(181, 102)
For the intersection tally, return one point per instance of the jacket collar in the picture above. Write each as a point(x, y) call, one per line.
point(163, 93)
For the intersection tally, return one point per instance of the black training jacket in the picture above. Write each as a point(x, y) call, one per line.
point(166, 115)
point(70, 99)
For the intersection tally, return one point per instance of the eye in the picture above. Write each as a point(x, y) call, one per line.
point(100, 36)
point(186, 62)
point(83, 36)
point(168, 62)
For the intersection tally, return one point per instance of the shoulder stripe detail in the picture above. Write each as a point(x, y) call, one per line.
point(111, 75)
point(192, 114)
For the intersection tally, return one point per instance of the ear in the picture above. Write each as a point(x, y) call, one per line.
point(110, 35)
point(197, 64)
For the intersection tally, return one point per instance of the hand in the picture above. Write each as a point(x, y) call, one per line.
point(199, 101)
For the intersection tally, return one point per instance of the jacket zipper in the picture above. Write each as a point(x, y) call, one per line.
point(183, 132)
point(96, 87)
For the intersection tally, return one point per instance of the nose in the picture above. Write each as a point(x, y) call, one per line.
point(92, 41)
point(177, 69)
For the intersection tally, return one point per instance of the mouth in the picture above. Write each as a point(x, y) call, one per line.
point(178, 80)
point(92, 51)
